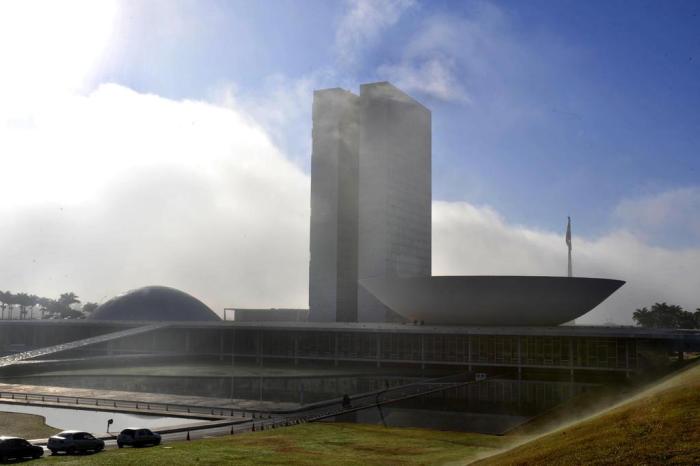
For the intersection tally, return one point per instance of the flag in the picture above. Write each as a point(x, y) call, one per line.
point(568, 233)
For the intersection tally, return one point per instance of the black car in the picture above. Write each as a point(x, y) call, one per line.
point(74, 441)
point(137, 437)
point(18, 448)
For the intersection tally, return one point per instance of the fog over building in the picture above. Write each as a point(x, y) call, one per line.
point(370, 198)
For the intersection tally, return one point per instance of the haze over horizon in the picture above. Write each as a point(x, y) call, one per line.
point(168, 143)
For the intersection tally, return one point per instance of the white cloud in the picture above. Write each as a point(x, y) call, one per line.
point(363, 23)
point(464, 58)
point(282, 106)
point(434, 77)
point(470, 240)
point(118, 189)
point(668, 217)
point(49, 47)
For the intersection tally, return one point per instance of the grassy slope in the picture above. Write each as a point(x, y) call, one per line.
point(25, 425)
point(316, 444)
point(660, 425)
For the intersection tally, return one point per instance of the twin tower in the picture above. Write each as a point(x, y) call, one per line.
point(370, 198)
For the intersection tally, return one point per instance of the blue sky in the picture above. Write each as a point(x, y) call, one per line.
point(566, 107)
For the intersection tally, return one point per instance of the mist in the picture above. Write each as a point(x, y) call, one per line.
point(118, 189)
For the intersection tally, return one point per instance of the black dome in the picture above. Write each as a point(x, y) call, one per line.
point(156, 304)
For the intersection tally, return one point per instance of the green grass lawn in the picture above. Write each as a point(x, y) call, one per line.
point(660, 425)
point(29, 426)
point(318, 444)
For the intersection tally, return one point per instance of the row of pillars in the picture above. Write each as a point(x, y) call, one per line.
point(259, 355)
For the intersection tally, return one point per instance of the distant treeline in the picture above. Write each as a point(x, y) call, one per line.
point(662, 315)
point(26, 306)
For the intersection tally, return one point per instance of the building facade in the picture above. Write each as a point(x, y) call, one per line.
point(370, 198)
point(334, 214)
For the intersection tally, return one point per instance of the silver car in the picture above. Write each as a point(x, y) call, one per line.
point(74, 441)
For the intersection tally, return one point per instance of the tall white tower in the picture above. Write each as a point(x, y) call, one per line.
point(370, 198)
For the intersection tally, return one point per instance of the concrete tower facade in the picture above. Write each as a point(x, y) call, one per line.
point(394, 228)
point(370, 198)
point(333, 233)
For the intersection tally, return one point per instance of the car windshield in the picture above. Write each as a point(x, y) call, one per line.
point(145, 432)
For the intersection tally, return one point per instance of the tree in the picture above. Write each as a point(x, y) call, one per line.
point(64, 306)
point(5, 302)
point(23, 300)
point(662, 315)
point(9, 300)
point(88, 308)
point(45, 306)
point(68, 299)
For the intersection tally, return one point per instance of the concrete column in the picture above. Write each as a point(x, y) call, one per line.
point(469, 352)
point(520, 359)
point(221, 346)
point(233, 347)
point(379, 350)
point(571, 359)
point(335, 357)
point(296, 349)
point(464, 349)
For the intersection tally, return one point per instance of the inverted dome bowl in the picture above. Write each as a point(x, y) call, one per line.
point(492, 300)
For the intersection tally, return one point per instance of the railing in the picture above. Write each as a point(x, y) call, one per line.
point(15, 358)
point(309, 412)
point(378, 398)
point(154, 407)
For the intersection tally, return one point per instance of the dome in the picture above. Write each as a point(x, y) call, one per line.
point(155, 304)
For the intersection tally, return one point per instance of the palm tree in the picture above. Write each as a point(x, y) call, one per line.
point(25, 301)
point(8, 302)
point(4, 302)
point(45, 304)
point(68, 299)
point(33, 302)
point(65, 301)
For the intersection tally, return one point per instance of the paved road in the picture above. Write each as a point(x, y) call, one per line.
point(218, 431)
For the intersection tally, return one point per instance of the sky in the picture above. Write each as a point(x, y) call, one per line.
point(168, 142)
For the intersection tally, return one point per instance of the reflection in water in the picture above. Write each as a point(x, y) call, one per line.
point(492, 406)
point(279, 389)
point(484, 423)
point(91, 421)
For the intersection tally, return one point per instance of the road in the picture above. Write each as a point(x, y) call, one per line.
point(201, 433)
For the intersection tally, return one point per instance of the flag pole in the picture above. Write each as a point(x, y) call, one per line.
point(568, 243)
